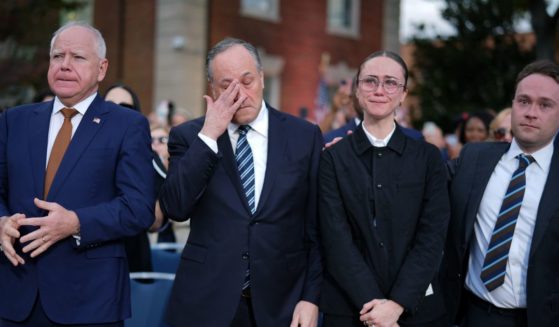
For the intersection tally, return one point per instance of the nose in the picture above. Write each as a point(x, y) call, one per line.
point(65, 63)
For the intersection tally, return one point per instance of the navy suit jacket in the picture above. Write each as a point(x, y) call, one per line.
point(106, 178)
point(279, 240)
point(471, 173)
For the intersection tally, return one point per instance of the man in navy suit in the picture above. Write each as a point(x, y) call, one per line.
point(75, 179)
point(252, 255)
point(500, 265)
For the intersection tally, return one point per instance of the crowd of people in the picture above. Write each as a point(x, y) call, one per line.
point(372, 223)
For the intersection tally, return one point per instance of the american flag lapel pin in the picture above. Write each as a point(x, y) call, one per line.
point(96, 120)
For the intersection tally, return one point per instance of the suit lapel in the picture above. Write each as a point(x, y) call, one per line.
point(91, 123)
point(485, 164)
point(276, 150)
point(230, 166)
point(548, 203)
point(38, 139)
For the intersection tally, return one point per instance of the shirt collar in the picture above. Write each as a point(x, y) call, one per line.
point(376, 141)
point(81, 107)
point(259, 125)
point(542, 156)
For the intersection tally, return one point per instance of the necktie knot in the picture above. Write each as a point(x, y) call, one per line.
point(243, 129)
point(68, 113)
point(524, 160)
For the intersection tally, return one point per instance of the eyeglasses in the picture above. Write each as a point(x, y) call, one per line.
point(389, 85)
point(500, 133)
point(161, 139)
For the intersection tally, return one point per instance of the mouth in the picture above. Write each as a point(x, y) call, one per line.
point(529, 126)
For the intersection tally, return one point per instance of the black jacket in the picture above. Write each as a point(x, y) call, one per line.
point(383, 218)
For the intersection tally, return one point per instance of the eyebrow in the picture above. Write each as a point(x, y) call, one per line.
point(385, 76)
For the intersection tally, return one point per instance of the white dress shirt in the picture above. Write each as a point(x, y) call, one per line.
point(379, 143)
point(57, 119)
point(512, 294)
point(257, 138)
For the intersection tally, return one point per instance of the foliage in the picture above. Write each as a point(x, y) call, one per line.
point(476, 68)
point(26, 27)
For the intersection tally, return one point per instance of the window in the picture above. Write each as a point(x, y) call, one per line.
point(262, 9)
point(343, 17)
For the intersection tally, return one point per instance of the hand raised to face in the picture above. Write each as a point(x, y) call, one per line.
point(220, 112)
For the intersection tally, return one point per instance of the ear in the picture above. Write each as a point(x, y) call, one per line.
point(103, 66)
point(261, 78)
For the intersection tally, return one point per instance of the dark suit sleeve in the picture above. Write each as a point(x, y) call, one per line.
point(343, 259)
point(192, 164)
point(423, 260)
point(132, 210)
point(311, 290)
point(3, 165)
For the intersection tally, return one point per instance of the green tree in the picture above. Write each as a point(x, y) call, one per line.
point(474, 69)
point(26, 27)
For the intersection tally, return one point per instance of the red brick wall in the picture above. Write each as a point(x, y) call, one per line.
point(128, 27)
point(299, 38)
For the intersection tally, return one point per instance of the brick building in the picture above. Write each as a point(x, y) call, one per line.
point(159, 47)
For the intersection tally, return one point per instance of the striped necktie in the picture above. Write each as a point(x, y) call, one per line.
point(245, 164)
point(496, 258)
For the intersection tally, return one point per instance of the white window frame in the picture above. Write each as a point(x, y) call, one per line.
point(355, 16)
point(268, 14)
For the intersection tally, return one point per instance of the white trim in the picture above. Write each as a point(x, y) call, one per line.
point(355, 16)
point(269, 14)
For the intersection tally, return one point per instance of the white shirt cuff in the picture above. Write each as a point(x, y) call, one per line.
point(211, 143)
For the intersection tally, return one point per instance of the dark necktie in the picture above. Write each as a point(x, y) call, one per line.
point(59, 147)
point(496, 258)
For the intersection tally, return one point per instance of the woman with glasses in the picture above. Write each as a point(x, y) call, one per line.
point(500, 127)
point(384, 211)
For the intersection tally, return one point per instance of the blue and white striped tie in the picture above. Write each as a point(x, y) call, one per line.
point(245, 164)
point(495, 263)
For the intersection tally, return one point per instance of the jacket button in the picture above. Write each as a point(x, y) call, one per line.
point(379, 185)
point(245, 256)
point(379, 154)
point(381, 244)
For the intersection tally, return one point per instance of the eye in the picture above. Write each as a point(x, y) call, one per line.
point(522, 101)
point(546, 105)
point(371, 81)
point(247, 81)
point(392, 83)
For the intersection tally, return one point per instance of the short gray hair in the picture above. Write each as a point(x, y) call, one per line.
point(100, 42)
point(226, 44)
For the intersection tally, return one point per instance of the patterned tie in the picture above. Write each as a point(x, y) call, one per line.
point(495, 263)
point(245, 164)
point(59, 147)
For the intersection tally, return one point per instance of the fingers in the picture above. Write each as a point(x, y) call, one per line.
point(49, 206)
point(11, 254)
point(367, 307)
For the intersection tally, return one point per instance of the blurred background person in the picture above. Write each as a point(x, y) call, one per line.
point(341, 109)
point(434, 134)
point(500, 127)
point(475, 127)
point(159, 140)
point(137, 247)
